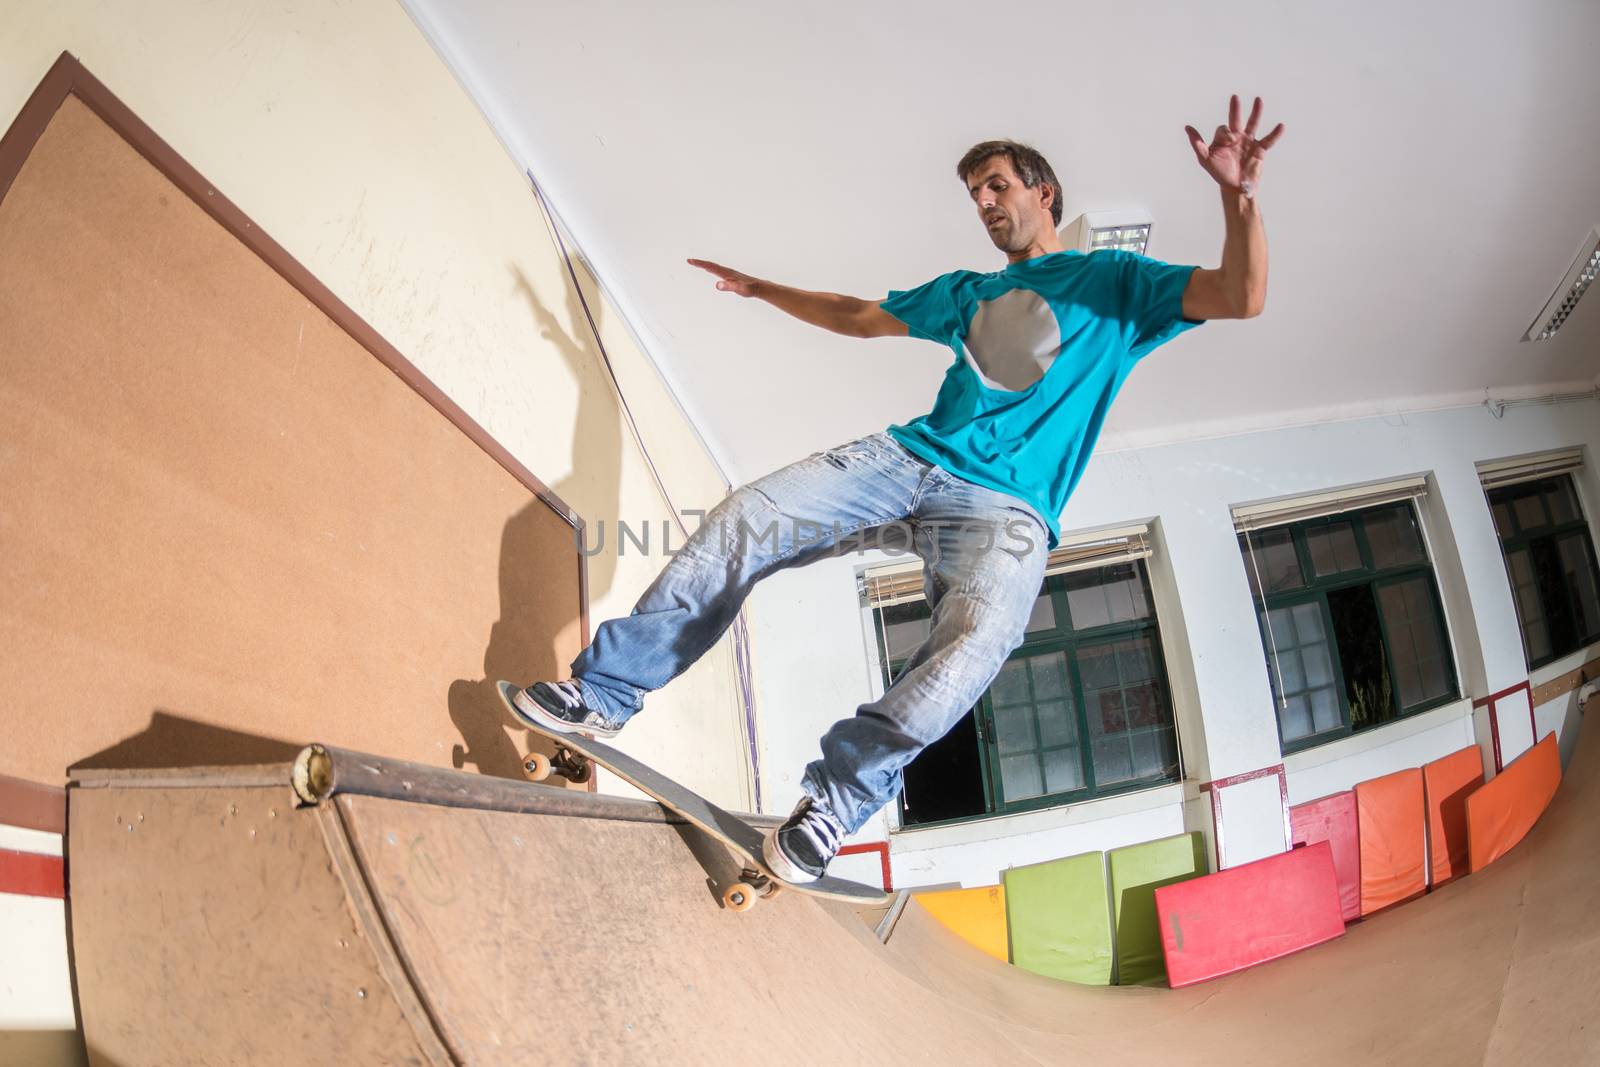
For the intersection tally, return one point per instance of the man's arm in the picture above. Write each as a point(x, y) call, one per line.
point(1238, 288)
point(845, 315)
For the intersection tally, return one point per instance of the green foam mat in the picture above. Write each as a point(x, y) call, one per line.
point(1059, 915)
point(1137, 871)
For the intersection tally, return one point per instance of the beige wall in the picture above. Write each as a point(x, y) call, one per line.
point(340, 132)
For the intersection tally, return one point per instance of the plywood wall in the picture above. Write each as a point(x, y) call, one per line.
point(232, 520)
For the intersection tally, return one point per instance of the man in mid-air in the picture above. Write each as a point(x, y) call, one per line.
point(976, 486)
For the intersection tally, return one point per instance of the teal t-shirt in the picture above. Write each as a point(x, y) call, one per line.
point(1041, 348)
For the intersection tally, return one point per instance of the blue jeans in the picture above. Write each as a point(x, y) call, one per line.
point(984, 557)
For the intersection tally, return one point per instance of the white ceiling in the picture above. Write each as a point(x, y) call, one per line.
point(1438, 172)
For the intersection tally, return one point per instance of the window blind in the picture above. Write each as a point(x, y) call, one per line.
point(1327, 502)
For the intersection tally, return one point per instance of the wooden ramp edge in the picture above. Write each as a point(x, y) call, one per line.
point(417, 916)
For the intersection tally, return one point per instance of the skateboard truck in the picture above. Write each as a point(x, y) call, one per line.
point(753, 885)
point(536, 766)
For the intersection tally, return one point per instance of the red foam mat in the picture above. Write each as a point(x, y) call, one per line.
point(1243, 916)
point(1333, 819)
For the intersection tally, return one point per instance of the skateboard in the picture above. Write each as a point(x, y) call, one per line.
point(574, 759)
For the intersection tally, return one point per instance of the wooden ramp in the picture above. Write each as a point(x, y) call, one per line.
point(409, 915)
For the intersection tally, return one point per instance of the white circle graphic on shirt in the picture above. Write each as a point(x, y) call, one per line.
point(1012, 340)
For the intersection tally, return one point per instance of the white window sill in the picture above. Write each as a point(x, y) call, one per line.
point(999, 827)
point(1368, 740)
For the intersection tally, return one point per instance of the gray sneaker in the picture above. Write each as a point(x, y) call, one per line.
point(800, 850)
point(559, 706)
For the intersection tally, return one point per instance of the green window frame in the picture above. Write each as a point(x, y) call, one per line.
point(1550, 563)
point(1081, 709)
point(1351, 623)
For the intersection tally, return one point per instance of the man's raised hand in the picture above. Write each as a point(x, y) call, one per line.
point(729, 280)
point(1234, 155)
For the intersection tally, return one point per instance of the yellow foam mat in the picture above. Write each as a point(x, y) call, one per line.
point(977, 915)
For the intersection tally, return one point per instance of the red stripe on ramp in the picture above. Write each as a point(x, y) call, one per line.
point(31, 874)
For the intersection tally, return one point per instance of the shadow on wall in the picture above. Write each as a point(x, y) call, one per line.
point(171, 740)
point(596, 493)
point(523, 642)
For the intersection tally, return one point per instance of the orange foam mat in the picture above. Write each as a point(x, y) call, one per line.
point(1447, 783)
point(1503, 811)
point(1391, 819)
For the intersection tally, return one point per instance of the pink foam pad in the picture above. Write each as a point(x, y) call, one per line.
point(1333, 819)
point(1247, 915)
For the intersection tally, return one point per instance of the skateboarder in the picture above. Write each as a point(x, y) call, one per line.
point(974, 487)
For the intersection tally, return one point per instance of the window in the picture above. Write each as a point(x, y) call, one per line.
point(1550, 562)
point(1082, 709)
point(1351, 622)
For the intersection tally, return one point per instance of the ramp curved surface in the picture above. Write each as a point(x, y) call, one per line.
point(464, 920)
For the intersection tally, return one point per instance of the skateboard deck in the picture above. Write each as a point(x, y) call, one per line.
point(739, 836)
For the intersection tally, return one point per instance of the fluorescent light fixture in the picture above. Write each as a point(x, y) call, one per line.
point(1585, 267)
point(1094, 230)
point(1127, 238)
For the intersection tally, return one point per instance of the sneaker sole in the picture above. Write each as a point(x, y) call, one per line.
point(528, 709)
point(780, 865)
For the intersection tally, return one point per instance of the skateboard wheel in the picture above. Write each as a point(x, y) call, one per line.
point(536, 766)
point(739, 897)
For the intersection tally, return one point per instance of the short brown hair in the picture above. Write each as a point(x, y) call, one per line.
point(1031, 167)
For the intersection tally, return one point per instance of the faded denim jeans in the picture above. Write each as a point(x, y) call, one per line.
point(984, 559)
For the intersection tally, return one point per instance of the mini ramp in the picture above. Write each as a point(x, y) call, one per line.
point(416, 916)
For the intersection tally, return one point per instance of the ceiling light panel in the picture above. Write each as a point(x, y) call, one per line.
point(1579, 277)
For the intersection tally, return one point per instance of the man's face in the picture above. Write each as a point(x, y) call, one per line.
point(1011, 213)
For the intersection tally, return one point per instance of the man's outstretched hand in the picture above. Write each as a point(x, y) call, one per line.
point(729, 280)
point(1234, 155)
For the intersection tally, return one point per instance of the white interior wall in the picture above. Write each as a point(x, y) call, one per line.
point(816, 663)
point(917, 861)
point(1251, 813)
point(1515, 719)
